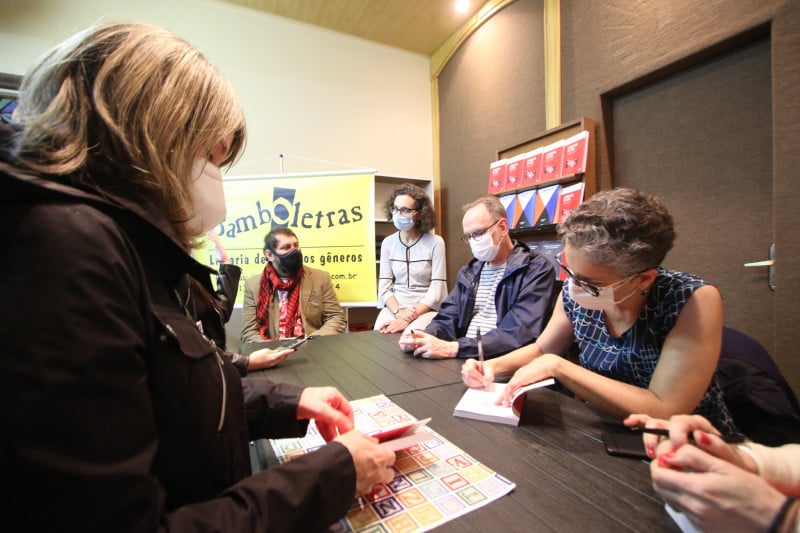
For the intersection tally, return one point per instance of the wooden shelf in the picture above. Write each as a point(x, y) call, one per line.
point(544, 229)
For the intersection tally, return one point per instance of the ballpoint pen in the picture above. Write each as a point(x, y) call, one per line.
point(480, 350)
point(731, 438)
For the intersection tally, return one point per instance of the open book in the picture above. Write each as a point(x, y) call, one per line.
point(479, 404)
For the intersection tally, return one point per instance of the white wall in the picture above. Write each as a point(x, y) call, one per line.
point(308, 93)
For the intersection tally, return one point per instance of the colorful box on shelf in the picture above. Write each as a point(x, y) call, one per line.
point(569, 198)
point(546, 204)
point(552, 158)
point(509, 202)
point(576, 149)
point(532, 173)
point(497, 176)
point(515, 172)
point(526, 205)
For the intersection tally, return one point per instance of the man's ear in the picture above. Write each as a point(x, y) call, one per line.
point(268, 254)
point(508, 227)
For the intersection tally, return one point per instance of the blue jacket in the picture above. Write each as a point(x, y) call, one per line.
point(524, 300)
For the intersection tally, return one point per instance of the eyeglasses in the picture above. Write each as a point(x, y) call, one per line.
point(588, 287)
point(402, 210)
point(478, 234)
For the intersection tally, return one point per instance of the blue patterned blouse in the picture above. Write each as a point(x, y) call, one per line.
point(632, 357)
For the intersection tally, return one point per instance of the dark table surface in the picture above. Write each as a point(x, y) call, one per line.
point(360, 364)
point(565, 479)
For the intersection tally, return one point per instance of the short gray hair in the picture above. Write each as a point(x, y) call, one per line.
point(491, 203)
point(624, 229)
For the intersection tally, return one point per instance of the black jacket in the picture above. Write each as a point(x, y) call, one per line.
point(118, 414)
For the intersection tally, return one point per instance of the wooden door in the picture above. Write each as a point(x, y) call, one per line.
point(702, 140)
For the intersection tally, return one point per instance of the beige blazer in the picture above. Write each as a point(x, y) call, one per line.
point(319, 307)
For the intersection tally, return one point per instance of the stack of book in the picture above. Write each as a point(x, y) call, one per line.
point(561, 159)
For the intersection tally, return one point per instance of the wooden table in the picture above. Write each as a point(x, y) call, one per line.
point(565, 479)
point(360, 364)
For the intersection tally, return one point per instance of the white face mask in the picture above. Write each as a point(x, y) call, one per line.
point(208, 195)
point(604, 301)
point(403, 222)
point(484, 248)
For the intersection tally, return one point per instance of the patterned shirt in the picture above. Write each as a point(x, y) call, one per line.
point(632, 357)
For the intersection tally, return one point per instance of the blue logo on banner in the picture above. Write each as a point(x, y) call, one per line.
point(282, 202)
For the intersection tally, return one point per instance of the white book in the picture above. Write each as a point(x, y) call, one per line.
point(480, 404)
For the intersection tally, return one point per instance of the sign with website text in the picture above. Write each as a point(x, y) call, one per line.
point(331, 214)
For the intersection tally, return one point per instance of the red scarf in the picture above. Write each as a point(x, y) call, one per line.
point(290, 322)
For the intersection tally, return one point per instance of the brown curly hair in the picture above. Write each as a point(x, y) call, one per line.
point(426, 216)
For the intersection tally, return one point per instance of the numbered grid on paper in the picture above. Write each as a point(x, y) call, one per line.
point(435, 481)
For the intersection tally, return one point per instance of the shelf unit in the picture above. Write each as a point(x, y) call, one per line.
point(589, 177)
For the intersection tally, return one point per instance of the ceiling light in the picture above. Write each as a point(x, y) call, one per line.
point(462, 5)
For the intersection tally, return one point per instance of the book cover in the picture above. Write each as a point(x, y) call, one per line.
point(403, 435)
point(526, 204)
point(509, 201)
point(576, 149)
point(497, 176)
point(532, 172)
point(550, 250)
point(551, 160)
point(536, 246)
point(479, 404)
point(568, 199)
point(514, 173)
point(546, 203)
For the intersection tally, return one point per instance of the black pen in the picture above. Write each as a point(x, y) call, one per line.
point(733, 438)
point(480, 349)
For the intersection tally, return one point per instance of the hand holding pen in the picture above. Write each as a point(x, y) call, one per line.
point(664, 437)
point(477, 374)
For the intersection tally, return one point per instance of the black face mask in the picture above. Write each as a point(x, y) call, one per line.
point(290, 262)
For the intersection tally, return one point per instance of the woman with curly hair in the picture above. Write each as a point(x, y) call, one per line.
point(413, 278)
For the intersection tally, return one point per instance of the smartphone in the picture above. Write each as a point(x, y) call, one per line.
point(627, 444)
point(293, 343)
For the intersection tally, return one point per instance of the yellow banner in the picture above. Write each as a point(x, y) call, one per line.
point(331, 214)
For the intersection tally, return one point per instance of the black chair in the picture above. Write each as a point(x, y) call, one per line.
point(762, 403)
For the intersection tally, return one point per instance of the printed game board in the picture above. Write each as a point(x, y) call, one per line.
point(435, 481)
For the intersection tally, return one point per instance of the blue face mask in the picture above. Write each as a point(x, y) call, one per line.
point(403, 222)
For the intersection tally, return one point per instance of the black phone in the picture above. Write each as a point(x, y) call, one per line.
point(293, 343)
point(624, 444)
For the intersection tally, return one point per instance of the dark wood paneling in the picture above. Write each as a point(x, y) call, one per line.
point(491, 95)
point(702, 140)
point(605, 46)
